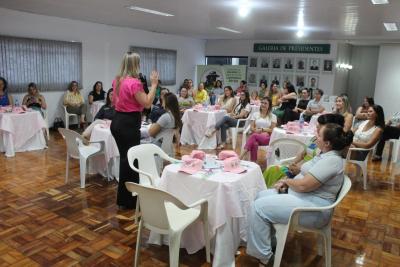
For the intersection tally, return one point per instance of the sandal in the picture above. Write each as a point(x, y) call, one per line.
point(220, 147)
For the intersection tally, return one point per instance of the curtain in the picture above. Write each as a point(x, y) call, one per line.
point(52, 65)
point(162, 60)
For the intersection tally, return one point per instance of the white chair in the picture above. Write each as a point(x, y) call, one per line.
point(294, 224)
point(76, 150)
point(363, 164)
point(394, 149)
point(237, 129)
point(46, 119)
point(148, 170)
point(285, 150)
point(67, 116)
point(165, 214)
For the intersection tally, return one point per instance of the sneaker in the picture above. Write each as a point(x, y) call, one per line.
point(376, 158)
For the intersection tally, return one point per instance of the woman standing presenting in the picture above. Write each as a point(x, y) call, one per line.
point(129, 101)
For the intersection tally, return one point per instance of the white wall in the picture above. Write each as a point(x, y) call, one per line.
point(387, 92)
point(102, 47)
point(245, 48)
point(341, 76)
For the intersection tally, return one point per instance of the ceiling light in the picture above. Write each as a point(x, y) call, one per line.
point(151, 11)
point(228, 30)
point(300, 34)
point(243, 11)
point(380, 2)
point(390, 27)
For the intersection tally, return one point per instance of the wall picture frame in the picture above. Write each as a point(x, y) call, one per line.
point(301, 64)
point(253, 62)
point(314, 65)
point(327, 66)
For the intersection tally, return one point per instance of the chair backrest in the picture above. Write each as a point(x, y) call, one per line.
point(152, 205)
point(166, 137)
point(70, 140)
point(343, 191)
point(145, 154)
point(285, 148)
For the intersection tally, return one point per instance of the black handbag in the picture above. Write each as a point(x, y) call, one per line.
point(58, 123)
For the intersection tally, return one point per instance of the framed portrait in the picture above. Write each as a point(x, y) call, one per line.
point(313, 81)
point(252, 78)
point(314, 65)
point(253, 62)
point(300, 81)
point(288, 63)
point(276, 62)
point(328, 65)
point(262, 76)
point(275, 77)
point(301, 64)
point(287, 77)
point(265, 62)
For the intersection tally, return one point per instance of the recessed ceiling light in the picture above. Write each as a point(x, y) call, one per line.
point(300, 34)
point(228, 30)
point(243, 11)
point(380, 2)
point(390, 26)
point(151, 11)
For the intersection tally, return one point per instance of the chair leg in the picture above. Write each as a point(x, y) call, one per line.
point(364, 173)
point(395, 150)
point(281, 235)
point(107, 168)
point(137, 211)
point(234, 137)
point(66, 169)
point(82, 162)
point(137, 252)
point(66, 122)
point(207, 240)
point(328, 245)
point(174, 245)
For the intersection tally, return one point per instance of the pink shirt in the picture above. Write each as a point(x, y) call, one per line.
point(126, 101)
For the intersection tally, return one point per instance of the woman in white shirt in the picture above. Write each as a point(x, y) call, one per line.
point(262, 124)
point(368, 132)
point(314, 106)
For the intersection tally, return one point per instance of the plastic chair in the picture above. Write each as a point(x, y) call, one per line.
point(165, 214)
point(46, 119)
point(236, 130)
point(148, 167)
point(285, 150)
point(77, 150)
point(293, 223)
point(363, 164)
point(67, 115)
point(394, 148)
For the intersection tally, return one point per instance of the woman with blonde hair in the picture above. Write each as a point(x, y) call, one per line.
point(129, 100)
point(342, 107)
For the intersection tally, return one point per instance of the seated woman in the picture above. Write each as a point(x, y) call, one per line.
point(263, 91)
point(314, 106)
point(184, 100)
point(5, 98)
point(201, 95)
point(274, 94)
point(342, 107)
point(288, 103)
point(317, 185)
point(302, 104)
point(34, 99)
point(262, 124)
point(240, 111)
point(275, 172)
point(368, 132)
point(227, 101)
point(158, 109)
point(216, 91)
point(362, 112)
point(74, 102)
point(169, 120)
point(254, 99)
point(391, 131)
point(97, 94)
point(106, 113)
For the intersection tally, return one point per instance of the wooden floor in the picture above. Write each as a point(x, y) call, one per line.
point(45, 222)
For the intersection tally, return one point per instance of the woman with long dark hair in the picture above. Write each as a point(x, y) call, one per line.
point(97, 93)
point(5, 98)
point(129, 99)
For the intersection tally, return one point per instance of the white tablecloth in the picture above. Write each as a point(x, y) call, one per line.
point(97, 165)
point(195, 126)
point(95, 107)
point(229, 197)
point(278, 133)
point(21, 132)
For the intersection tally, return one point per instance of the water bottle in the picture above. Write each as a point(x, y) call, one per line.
point(16, 102)
point(301, 122)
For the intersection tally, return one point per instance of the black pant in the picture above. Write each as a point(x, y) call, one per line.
point(125, 128)
point(389, 132)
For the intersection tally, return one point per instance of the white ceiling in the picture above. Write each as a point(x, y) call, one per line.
point(268, 19)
